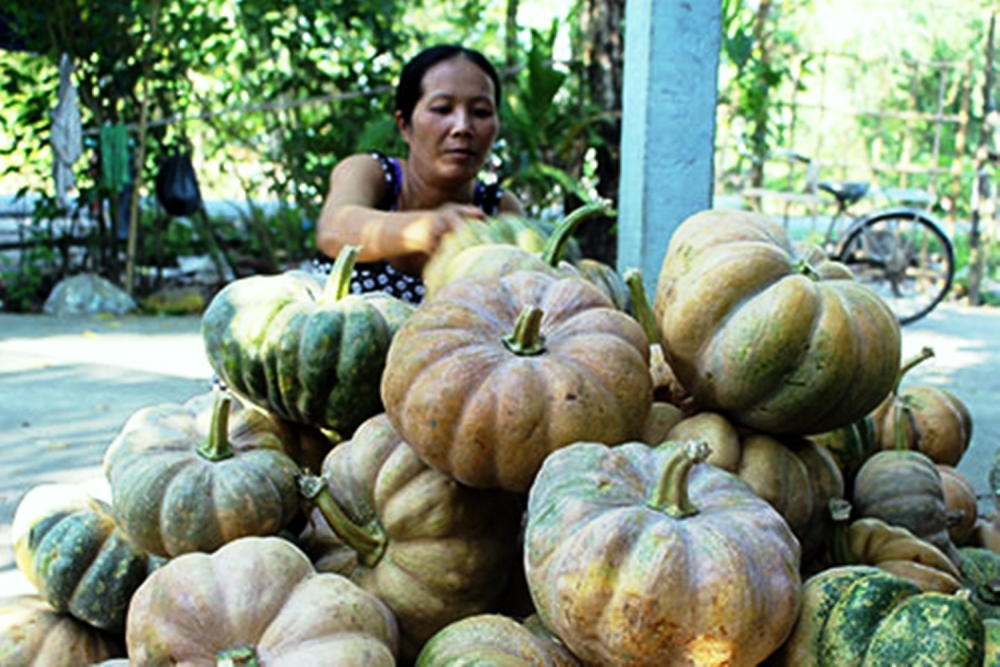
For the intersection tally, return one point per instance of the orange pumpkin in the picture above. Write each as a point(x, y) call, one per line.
point(776, 337)
point(648, 556)
point(963, 506)
point(491, 375)
point(256, 600)
point(33, 634)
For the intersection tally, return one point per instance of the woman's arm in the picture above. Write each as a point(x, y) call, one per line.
point(349, 216)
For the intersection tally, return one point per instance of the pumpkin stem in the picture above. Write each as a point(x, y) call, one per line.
point(840, 511)
point(369, 541)
point(640, 305)
point(527, 339)
point(338, 283)
point(555, 246)
point(672, 492)
point(989, 591)
point(903, 425)
point(914, 361)
point(238, 657)
point(216, 445)
point(804, 267)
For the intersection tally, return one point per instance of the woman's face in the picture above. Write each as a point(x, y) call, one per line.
point(454, 123)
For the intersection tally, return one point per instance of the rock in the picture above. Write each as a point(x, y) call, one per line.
point(87, 294)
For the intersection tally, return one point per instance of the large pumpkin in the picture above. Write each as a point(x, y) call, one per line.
point(308, 351)
point(781, 340)
point(399, 526)
point(33, 634)
point(489, 376)
point(856, 616)
point(181, 482)
point(69, 547)
point(256, 601)
point(646, 556)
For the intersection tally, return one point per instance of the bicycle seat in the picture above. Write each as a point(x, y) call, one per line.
point(846, 193)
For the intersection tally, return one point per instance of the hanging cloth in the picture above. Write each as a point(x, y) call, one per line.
point(114, 157)
point(67, 135)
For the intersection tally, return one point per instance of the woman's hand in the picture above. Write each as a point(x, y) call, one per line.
point(423, 235)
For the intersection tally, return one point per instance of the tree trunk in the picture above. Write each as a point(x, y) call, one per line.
point(981, 187)
point(602, 54)
point(510, 36)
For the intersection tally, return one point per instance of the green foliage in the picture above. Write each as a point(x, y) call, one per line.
point(547, 130)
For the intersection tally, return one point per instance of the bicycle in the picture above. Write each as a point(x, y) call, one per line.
point(901, 252)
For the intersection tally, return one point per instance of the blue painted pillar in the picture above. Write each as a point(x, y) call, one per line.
point(668, 124)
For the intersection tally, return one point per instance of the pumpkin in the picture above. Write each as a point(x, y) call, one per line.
point(67, 544)
point(307, 351)
point(33, 633)
point(991, 651)
point(963, 506)
point(525, 232)
point(986, 533)
point(864, 616)
point(776, 337)
point(306, 445)
point(497, 259)
point(493, 639)
point(981, 575)
point(870, 541)
point(649, 556)
point(489, 376)
point(256, 601)
point(433, 550)
point(925, 418)
point(181, 482)
point(903, 488)
point(850, 446)
point(797, 477)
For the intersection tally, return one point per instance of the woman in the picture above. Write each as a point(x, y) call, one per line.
point(398, 209)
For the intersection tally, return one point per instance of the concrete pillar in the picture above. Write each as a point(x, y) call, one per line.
point(668, 126)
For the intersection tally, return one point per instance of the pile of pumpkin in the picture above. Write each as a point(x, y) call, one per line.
point(536, 466)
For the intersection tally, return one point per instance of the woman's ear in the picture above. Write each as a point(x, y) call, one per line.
point(404, 129)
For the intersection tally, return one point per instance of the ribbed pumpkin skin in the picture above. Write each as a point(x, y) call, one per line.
point(259, 595)
point(780, 342)
point(77, 557)
point(281, 344)
point(488, 416)
point(850, 446)
point(863, 616)
point(492, 639)
point(452, 543)
point(33, 634)
point(623, 582)
point(903, 488)
point(171, 500)
point(794, 475)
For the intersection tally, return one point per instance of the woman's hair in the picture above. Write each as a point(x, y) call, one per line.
point(410, 86)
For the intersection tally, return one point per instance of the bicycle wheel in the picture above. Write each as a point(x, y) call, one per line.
point(905, 257)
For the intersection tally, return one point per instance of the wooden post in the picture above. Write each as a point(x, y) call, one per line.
point(668, 125)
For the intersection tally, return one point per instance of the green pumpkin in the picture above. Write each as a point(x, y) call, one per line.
point(183, 483)
point(865, 616)
point(489, 260)
point(981, 575)
point(307, 351)
point(850, 446)
point(69, 547)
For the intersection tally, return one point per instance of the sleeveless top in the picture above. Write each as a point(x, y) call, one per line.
point(379, 275)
